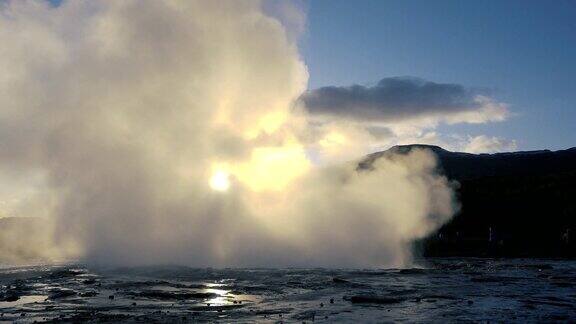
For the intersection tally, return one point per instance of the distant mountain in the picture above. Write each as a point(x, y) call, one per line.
point(513, 204)
point(466, 166)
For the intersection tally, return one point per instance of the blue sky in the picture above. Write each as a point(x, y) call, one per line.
point(524, 52)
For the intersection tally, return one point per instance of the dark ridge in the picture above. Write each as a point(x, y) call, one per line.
point(465, 166)
point(512, 204)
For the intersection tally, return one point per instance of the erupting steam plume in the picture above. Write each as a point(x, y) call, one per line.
point(168, 131)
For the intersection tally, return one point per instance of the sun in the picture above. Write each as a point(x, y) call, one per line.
point(220, 181)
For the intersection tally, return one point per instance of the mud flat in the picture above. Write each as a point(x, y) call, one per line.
point(449, 289)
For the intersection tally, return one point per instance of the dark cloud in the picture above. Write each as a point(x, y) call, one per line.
point(393, 99)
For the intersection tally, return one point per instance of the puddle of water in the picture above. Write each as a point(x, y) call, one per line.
point(222, 298)
point(24, 300)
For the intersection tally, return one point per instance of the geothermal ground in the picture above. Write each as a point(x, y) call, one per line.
point(517, 290)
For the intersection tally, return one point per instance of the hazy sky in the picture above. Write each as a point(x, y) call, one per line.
point(520, 52)
point(523, 52)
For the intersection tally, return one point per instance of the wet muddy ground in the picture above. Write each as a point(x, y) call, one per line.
point(439, 290)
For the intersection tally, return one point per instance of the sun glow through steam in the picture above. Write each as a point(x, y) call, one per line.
point(220, 181)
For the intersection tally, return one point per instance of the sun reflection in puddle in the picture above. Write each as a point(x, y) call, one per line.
point(222, 295)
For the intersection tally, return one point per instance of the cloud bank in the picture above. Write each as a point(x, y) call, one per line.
point(402, 110)
point(123, 111)
point(400, 99)
point(489, 144)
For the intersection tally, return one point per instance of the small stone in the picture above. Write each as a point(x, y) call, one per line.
point(339, 280)
point(11, 297)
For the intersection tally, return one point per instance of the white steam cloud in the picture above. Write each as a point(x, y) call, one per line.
point(127, 110)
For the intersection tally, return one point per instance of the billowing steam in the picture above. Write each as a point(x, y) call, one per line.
point(167, 131)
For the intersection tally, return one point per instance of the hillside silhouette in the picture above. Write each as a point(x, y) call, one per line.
point(520, 204)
